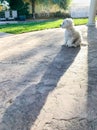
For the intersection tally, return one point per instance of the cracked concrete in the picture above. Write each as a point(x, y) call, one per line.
point(45, 85)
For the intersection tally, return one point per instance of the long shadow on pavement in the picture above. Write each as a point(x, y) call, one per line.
point(25, 109)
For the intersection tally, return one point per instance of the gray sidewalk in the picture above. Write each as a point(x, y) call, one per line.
point(2, 35)
point(46, 86)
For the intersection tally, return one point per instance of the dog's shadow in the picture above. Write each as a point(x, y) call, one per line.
point(24, 111)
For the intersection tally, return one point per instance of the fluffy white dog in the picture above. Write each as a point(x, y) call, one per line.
point(72, 36)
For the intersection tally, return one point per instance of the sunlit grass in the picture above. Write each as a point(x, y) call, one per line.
point(35, 26)
point(80, 21)
point(30, 26)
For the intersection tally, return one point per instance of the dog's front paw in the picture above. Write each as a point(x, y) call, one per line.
point(69, 45)
point(65, 43)
point(74, 45)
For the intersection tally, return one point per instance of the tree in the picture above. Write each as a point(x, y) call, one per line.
point(34, 4)
point(62, 3)
point(5, 4)
point(20, 6)
point(4, 0)
point(33, 8)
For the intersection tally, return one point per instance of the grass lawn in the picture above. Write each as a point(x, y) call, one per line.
point(35, 26)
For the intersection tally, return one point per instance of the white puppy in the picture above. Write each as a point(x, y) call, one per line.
point(72, 36)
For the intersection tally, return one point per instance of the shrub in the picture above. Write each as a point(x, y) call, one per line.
point(20, 6)
point(60, 14)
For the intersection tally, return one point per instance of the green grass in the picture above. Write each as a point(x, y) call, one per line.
point(80, 21)
point(35, 26)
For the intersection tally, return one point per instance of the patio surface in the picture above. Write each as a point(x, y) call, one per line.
point(46, 86)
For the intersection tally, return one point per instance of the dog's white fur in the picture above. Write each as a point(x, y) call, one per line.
point(72, 36)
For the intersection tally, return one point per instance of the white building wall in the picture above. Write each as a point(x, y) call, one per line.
point(79, 11)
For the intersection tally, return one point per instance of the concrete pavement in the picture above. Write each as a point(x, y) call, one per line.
point(46, 86)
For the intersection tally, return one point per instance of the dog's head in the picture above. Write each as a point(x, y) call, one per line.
point(67, 23)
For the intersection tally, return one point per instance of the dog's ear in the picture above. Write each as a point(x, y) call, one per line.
point(71, 21)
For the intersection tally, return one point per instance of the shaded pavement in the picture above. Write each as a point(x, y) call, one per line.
point(46, 86)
